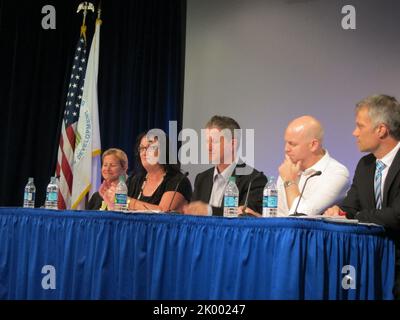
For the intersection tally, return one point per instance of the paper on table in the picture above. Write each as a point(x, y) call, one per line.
point(351, 221)
point(143, 211)
point(318, 217)
point(339, 219)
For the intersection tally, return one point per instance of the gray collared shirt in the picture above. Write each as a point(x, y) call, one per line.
point(220, 180)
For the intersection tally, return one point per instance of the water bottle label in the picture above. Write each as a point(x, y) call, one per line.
point(270, 202)
point(29, 196)
point(120, 198)
point(52, 196)
point(230, 201)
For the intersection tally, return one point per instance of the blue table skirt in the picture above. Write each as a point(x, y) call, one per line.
point(107, 255)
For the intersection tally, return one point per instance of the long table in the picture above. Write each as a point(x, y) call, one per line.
point(50, 254)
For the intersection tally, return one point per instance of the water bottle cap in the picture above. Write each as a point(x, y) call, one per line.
point(30, 179)
point(232, 178)
point(53, 180)
point(122, 178)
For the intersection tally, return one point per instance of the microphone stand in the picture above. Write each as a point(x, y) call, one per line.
point(246, 214)
point(176, 189)
point(296, 214)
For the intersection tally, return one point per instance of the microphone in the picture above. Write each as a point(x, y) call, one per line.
point(176, 189)
point(247, 195)
point(318, 173)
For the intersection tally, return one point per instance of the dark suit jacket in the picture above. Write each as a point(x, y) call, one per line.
point(204, 182)
point(95, 202)
point(360, 200)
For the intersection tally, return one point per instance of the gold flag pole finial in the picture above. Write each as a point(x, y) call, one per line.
point(85, 6)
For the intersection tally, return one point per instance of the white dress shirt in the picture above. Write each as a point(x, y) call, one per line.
point(220, 180)
point(388, 160)
point(321, 191)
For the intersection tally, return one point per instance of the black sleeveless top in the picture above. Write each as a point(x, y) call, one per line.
point(169, 183)
point(135, 182)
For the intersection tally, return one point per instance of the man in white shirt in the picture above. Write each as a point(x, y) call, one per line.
point(304, 156)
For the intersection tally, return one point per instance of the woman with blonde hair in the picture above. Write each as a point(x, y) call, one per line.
point(114, 164)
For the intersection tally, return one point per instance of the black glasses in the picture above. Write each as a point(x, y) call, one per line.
point(150, 148)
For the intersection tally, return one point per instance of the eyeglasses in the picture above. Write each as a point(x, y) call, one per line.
point(152, 148)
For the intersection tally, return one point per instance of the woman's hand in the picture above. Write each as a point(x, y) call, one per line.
point(107, 192)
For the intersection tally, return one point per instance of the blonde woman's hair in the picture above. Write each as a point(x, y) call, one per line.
point(121, 156)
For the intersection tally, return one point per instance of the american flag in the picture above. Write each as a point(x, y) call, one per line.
point(66, 147)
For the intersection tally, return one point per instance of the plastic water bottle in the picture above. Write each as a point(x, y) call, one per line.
point(29, 194)
point(231, 199)
point(52, 194)
point(121, 195)
point(270, 199)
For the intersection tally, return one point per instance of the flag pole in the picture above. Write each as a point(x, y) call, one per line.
point(99, 11)
point(98, 19)
point(84, 6)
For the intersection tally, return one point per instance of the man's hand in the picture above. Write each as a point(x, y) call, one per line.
point(289, 171)
point(333, 212)
point(249, 211)
point(196, 208)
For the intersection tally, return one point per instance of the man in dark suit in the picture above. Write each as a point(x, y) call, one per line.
point(375, 193)
point(222, 134)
